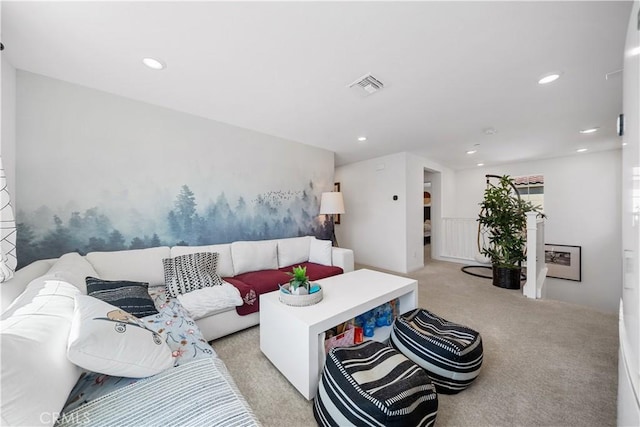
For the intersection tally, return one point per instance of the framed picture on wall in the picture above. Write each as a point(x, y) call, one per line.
point(563, 261)
point(336, 217)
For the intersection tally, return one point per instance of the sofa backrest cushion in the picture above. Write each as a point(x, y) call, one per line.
point(138, 265)
point(225, 262)
point(293, 251)
point(37, 376)
point(254, 256)
point(73, 268)
point(110, 341)
point(320, 252)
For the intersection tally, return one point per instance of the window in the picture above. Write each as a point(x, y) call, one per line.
point(531, 188)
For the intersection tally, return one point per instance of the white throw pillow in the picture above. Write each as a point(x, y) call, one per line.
point(293, 251)
point(136, 265)
point(73, 268)
point(110, 341)
point(37, 376)
point(225, 263)
point(206, 301)
point(320, 252)
point(254, 256)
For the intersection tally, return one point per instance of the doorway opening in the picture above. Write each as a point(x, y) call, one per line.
point(430, 200)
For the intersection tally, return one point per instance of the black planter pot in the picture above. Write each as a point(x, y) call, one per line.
point(505, 277)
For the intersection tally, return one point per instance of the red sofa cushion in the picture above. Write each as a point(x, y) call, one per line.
point(252, 284)
point(315, 271)
point(264, 281)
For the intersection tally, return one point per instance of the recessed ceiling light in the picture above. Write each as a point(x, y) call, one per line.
point(590, 130)
point(489, 131)
point(633, 52)
point(472, 151)
point(362, 138)
point(581, 150)
point(548, 78)
point(154, 64)
point(480, 164)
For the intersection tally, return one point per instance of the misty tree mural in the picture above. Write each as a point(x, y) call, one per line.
point(275, 214)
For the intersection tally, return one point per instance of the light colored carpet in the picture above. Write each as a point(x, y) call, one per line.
point(546, 363)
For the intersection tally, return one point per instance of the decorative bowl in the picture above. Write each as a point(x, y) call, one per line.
point(299, 300)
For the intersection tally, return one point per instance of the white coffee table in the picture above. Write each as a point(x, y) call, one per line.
point(293, 337)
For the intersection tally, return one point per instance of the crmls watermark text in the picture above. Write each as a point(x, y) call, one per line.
point(50, 417)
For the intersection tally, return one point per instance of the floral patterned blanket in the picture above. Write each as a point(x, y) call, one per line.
point(174, 324)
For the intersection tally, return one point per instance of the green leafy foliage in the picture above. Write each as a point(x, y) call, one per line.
point(503, 215)
point(299, 278)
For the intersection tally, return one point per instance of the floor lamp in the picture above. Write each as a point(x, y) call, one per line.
point(330, 205)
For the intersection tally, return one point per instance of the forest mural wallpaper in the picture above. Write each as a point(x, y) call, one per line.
point(102, 173)
point(275, 214)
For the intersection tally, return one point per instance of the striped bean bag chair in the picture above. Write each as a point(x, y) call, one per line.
point(450, 353)
point(371, 384)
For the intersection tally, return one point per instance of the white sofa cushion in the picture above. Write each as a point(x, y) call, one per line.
point(254, 256)
point(320, 252)
point(137, 265)
point(73, 268)
point(111, 341)
point(293, 251)
point(225, 262)
point(206, 301)
point(37, 377)
point(30, 292)
point(17, 285)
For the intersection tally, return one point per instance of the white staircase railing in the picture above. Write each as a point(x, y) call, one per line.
point(536, 266)
point(460, 238)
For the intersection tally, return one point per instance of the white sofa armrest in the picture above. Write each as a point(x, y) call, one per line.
point(343, 258)
point(13, 287)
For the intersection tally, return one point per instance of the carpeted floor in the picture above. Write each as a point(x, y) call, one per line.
point(546, 363)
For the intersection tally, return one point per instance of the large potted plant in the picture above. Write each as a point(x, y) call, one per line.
point(503, 218)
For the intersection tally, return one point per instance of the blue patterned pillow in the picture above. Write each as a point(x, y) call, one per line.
point(186, 273)
point(132, 297)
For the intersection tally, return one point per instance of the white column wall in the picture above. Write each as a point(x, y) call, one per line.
point(382, 232)
point(374, 224)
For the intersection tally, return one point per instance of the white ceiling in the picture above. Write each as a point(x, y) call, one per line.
point(450, 69)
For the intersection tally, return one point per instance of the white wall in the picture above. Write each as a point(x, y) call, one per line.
point(374, 225)
point(8, 124)
point(629, 331)
point(582, 201)
point(80, 150)
point(385, 233)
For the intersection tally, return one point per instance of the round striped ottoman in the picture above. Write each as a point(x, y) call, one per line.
point(450, 353)
point(371, 384)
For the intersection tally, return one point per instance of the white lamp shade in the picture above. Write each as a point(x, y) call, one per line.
point(331, 203)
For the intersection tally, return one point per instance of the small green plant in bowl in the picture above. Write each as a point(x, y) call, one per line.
point(299, 281)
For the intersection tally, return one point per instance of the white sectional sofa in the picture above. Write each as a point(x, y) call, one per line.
point(38, 304)
point(145, 265)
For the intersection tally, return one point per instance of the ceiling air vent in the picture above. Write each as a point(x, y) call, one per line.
point(368, 83)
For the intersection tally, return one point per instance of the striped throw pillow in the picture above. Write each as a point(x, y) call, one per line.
point(186, 273)
point(132, 297)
